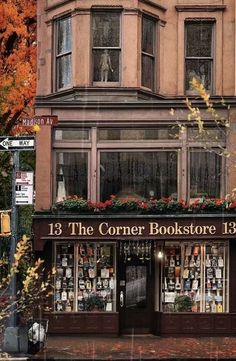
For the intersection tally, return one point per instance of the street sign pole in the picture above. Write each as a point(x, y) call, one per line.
point(14, 231)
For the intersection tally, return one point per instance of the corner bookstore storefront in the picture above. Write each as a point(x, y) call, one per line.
point(121, 274)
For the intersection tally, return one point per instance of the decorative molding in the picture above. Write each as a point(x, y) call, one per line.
point(57, 5)
point(200, 8)
point(153, 4)
point(107, 7)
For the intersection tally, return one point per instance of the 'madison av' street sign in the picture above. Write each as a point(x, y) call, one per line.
point(17, 143)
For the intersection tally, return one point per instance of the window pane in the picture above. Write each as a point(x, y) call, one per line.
point(209, 135)
point(64, 294)
point(64, 36)
point(171, 276)
point(199, 39)
point(216, 277)
point(195, 277)
point(71, 175)
point(106, 65)
point(199, 69)
point(138, 134)
point(205, 174)
point(71, 134)
point(138, 174)
point(136, 287)
point(106, 30)
point(64, 71)
point(96, 277)
point(148, 36)
point(148, 71)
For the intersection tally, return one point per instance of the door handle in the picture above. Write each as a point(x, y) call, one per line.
point(121, 299)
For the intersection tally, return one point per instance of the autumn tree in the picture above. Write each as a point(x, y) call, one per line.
point(17, 62)
point(17, 76)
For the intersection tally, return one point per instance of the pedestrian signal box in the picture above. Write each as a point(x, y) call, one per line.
point(5, 224)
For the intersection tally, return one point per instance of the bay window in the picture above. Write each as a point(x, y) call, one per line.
point(139, 163)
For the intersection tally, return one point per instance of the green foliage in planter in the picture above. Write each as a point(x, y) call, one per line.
point(183, 303)
point(73, 205)
point(166, 205)
point(94, 302)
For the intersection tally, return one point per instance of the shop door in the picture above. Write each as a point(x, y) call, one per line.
point(134, 297)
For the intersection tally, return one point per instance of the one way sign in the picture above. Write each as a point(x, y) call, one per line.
point(17, 143)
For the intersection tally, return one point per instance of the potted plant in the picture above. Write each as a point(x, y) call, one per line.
point(95, 303)
point(183, 303)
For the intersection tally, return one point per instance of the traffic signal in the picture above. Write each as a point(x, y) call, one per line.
point(5, 224)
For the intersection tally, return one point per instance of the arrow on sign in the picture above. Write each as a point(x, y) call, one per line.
point(12, 143)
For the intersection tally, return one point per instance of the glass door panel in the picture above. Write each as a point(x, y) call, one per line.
point(136, 287)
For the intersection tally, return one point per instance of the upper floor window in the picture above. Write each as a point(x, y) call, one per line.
point(106, 47)
point(148, 53)
point(198, 54)
point(63, 53)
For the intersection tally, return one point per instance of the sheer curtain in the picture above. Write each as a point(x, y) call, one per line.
point(138, 174)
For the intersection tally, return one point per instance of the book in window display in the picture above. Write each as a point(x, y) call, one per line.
point(95, 277)
point(203, 276)
point(192, 274)
point(172, 277)
point(215, 278)
point(64, 279)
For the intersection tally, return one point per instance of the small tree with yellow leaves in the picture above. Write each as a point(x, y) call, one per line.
point(33, 289)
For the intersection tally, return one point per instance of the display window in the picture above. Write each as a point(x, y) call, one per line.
point(195, 277)
point(85, 277)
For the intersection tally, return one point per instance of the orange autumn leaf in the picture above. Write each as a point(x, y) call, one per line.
point(17, 63)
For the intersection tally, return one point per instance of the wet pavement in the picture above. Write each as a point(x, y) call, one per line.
point(146, 347)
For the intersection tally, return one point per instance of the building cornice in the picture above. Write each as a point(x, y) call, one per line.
point(153, 4)
point(57, 5)
point(200, 8)
point(91, 98)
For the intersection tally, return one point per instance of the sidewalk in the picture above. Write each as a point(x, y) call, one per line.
point(147, 347)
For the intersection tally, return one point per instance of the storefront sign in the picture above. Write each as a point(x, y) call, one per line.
point(109, 228)
point(148, 229)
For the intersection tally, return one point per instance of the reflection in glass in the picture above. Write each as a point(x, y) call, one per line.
point(209, 134)
point(199, 39)
point(71, 174)
point(71, 134)
point(148, 35)
point(130, 134)
point(106, 30)
point(199, 69)
point(106, 47)
point(106, 65)
point(64, 36)
point(148, 54)
point(64, 71)
point(63, 62)
point(198, 62)
point(136, 287)
point(205, 174)
point(148, 71)
point(138, 175)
